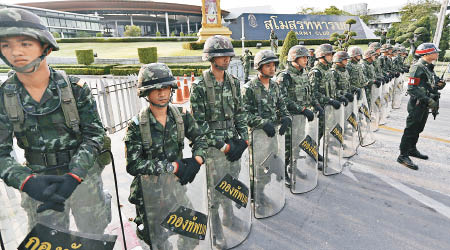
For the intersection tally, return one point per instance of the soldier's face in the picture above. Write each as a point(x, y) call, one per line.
point(222, 61)
point(160, 96)
point(269, 69)
point(21, 50)
point(329, 58)
point(302, 61)
point(431, 57)
point(343, 63)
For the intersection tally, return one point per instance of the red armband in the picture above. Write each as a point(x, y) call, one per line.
point(76, 177)
point(414, 81)
point(25, 181)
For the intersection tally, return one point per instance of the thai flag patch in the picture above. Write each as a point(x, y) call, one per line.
point(414, 81)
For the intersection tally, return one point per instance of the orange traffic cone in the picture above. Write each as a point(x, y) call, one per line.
point(179, 94)
point(192, 77)
point(186, 94)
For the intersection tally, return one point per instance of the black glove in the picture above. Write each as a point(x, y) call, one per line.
point(319, 109)
point(343, 100)
point(187, 170)
point(349, 97)
point(397, 74)
point(378, 83)
point(334, 103)
point(308, 113)
point(69, 184)
point(237, 147)
point(43, 188)
point(285, 123)
point(386, 80)
point(269, 129)
point(358, 93)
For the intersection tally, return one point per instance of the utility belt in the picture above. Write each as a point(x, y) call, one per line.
point(226, 124)
point(55, 162)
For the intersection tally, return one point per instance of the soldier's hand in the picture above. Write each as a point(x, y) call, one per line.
point(43, 187)
point(342, 99)
point(67, 187)
point(187, 169)
point(285, 123)
point(440, 85)
point(358, 93)
point(334, 103)
point(386, 79)
point(269, 129)
point(319, 109)
point(397, 74)
point(378, 82)
point(309, 114)
point(432, 104)
point(238, 147)
point(349, 97)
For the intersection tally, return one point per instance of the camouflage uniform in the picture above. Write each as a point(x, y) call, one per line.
point(340, 76)
point(219, 111)
point(166, 147)
point(369, 72)
point(49, 142)
point(311, 60)
point(246, 60)
point(386, 61)
point(377, 63)
point(273, 42)
point(357, 77)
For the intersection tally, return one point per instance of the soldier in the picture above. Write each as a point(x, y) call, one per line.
point(154, 145)
point(246, 60)
point(263, 100)
point(377, 63)
point(423, 86)
point(369, 71)
point(397, 60)
point(341, 77)
point(273, 41)
point(386, 62)
point(324, 89)
point(311, 59)
point(217, 106)
point(55, 120)
point(295, 87)
point(357, 77)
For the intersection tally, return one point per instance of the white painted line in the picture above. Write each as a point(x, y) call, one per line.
point(427, 201)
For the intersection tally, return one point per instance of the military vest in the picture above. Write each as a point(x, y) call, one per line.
point(342, 78)
point(146, 134)
point(258, 95)
point(325, 80)
point(299, 87)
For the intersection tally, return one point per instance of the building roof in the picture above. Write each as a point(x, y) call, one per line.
point(111, 6)
point(385, 10)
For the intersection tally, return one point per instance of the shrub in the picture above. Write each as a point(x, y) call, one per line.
point(181, 34)
point(56, 35)
point(132, 30)
point(147, 55)
point(158, 34)
point(289, 42)
point(85, 56)
point(124, 39)
point(172, 33)
point(83, 71)
point(99, 34)
point(82, 34)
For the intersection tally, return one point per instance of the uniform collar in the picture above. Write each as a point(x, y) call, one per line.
point(294, 70)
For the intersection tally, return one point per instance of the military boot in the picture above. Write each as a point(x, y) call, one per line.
point(406, 161)
point(417, 154)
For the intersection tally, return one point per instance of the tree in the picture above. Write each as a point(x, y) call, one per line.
point(132, 30)
point(444, 43)
point(343, 41)
point(289, 42)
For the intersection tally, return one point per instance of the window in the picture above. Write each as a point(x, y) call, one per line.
point(44, 20)
point(63, 23)
point(51, 21)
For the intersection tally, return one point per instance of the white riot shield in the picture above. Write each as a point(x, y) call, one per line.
point(384, 104)
point(268, 173)
point(375, 107)
point(398, 92)
point(87, 220)
point(366, 137)
point(304, 158)
point(389, 97)
point(333, 140)
point(175, 216)
point(229, 196)
point(351, 140)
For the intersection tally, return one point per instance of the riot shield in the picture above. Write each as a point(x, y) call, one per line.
point(351, 140)
point(304, 158)
point(86, 220)
point(398, 92)
point(384, 104)
point(268, 173)
point(229, 196)
point(389, 93)
point(375, 107)
point(333, 140)
point(174, 216)
point(366, 137)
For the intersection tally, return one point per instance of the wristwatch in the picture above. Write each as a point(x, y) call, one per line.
point(169, 167)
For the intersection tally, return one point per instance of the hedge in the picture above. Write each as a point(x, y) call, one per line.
point(83, 71)
point(266, 43)
point(85, 56)
point(175, 72)
point(148, 55)
point(105, 67)
point(124, 39)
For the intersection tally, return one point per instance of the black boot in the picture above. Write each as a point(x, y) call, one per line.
point(406, 161)
point(417, 154)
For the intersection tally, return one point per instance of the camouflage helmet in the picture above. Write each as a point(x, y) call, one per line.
point(340, 56)
point(375, 46)
point(20, 22)
point(386, 47)
point(324, 49)
point(426, 49)
point(154, 76)
point(296, 52)
point(368, 53)
point(246, 50)
point(264, 57)
point(217, 46)
point(355, 51)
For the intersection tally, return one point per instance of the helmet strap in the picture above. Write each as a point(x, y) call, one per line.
point(33, 64)
point(219, 67)
point(264, 75)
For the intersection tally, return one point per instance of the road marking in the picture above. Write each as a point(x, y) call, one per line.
point(427, 201)
point(423, 136)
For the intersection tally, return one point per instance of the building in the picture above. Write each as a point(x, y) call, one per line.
point(152, 17)
point(66, 24)
point(384, 17)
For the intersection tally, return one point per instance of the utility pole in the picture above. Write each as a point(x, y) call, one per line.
point(243, 35)
point(440, 23)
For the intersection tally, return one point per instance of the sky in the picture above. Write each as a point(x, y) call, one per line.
point(280, 6)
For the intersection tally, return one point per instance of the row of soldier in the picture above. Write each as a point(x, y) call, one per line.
point(237, 133)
